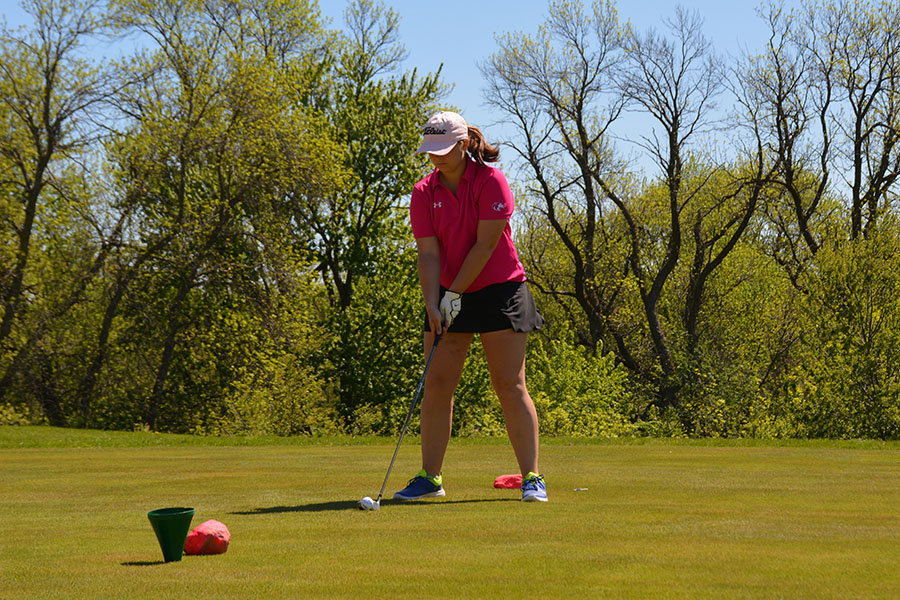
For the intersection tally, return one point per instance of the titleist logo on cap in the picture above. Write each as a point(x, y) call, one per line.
point(442, 132)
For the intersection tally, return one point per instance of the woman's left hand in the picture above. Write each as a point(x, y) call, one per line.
point(451, 304)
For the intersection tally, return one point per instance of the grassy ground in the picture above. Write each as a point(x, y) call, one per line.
point(658, 520)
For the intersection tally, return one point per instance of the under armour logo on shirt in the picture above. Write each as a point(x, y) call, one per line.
point(437, 205)
point(498, 206)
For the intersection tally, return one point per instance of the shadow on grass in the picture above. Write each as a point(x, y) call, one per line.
point(317, 507)
point(440, 502)
point(352, 505)
point(142, 563)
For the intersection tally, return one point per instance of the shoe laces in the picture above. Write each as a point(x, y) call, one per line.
point(532, 482)
point(425, 477)
point(415, 479)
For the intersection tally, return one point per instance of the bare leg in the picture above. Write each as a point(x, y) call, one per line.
point(505, 353)
point(437, 404)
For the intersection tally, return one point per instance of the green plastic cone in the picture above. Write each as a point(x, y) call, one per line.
point(171, 526)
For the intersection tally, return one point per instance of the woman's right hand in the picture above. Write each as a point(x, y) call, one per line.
point(429, 265)
point(435, 322)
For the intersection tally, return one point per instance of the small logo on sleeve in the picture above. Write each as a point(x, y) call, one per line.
point(498, 206)
point(437, 205)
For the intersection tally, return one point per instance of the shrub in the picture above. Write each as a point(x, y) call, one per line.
point(577, 393)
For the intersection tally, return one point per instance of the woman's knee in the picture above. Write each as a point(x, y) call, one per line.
point(510, 388)
point(441, 383)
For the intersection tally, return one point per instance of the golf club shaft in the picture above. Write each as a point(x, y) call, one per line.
point(412, 408)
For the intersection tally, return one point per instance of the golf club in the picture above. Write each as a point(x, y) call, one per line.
point(367, 503)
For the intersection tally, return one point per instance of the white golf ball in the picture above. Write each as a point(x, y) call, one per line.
point(367, 504)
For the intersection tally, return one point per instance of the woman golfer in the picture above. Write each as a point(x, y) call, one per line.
point(472, 282)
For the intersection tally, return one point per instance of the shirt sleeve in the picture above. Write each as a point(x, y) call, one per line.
point(495, 200)
point(420, 214)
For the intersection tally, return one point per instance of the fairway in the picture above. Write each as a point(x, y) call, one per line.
point(658, 520)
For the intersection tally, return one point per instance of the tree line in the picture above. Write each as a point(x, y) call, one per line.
point(210, 234)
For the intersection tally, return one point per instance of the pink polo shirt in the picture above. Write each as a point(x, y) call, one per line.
point(483, 194)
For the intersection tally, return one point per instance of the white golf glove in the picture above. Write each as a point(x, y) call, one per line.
point(451, 304)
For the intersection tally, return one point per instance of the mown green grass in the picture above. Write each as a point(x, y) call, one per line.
point(659, 519)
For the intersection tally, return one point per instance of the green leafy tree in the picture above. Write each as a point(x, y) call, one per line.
point(625, 242)
point(208, 158)
point(360, 238)
point(825, 88)
point(56, 238)
point(848, 381)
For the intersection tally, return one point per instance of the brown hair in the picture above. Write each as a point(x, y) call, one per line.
point(479, 149)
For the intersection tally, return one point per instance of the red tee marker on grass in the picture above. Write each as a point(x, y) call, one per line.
point(210, 537)
point(508, 482)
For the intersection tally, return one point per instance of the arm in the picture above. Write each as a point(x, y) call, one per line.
point(429, 263)
point(489, 233)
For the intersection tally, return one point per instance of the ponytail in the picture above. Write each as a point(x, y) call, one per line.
point(479, 149)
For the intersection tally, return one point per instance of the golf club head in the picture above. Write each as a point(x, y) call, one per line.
point(368, 504)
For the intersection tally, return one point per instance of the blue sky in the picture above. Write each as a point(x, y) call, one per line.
point(461, 35)
point(732, 25)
